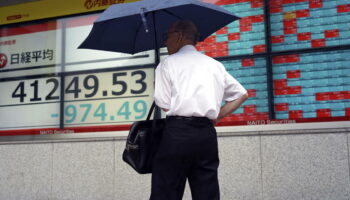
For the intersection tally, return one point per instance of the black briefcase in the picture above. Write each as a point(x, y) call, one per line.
point(143, 142)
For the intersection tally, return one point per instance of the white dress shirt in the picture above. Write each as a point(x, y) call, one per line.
point(191, 84)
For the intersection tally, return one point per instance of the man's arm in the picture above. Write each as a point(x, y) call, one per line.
point(162, 87)
point(231, 106)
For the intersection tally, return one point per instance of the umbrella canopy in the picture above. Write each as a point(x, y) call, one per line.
point(140, 26)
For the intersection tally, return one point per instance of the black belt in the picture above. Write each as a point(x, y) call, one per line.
point(193, 119)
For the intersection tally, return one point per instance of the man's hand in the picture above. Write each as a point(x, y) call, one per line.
point(231, 106)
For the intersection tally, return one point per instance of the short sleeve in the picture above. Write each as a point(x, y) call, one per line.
point(233, 89)
point(162, 90)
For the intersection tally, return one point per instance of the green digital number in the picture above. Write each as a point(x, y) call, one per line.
point(140, 107)
point(101, 111)
point(124, 111)
point(87, 111)
point(71, 112)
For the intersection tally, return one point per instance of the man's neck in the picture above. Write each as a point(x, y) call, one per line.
point(186, 43)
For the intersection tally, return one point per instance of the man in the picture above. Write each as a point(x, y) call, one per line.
point(190, 87)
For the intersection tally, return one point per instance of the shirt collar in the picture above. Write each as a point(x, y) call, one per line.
point(187, 48)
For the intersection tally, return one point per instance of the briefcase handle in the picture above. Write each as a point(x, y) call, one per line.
point(150, 111)
point(154, 121)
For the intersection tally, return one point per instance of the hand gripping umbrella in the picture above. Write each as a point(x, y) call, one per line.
point(140, 26)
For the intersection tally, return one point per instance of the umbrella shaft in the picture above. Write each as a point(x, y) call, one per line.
point(143, 18)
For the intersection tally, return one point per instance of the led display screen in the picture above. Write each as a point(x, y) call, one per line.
point(47, 84)
point(299, 24)
point(312, 85)
point(244, 36)
point(107, 98)
point(29, 103)
point(101, 91)
point(251, 73)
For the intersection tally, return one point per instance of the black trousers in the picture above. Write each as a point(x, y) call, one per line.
point(188, 150)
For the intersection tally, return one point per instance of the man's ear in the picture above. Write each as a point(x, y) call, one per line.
point(180, 38)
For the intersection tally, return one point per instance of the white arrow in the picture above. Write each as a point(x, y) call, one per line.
point(2, 60)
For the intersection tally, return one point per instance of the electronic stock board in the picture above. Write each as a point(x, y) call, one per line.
point(306, 86)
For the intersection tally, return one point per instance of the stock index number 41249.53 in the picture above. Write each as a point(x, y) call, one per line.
point(82, 86)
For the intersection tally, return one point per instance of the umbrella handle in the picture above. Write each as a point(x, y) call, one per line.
point(144, 21)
